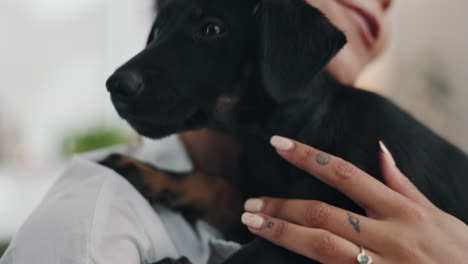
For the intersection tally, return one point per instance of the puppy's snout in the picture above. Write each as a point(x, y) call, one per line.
point(125, 84)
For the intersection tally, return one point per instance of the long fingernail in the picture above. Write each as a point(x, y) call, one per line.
point(387, 153)
point(251, 220)
point(281, 143)
point(254, 205)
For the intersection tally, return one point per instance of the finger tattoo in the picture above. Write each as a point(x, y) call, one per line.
point(270, 225)
point(354, 222)
point(323, 159)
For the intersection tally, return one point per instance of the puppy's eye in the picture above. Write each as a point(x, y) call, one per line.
point(211, 30)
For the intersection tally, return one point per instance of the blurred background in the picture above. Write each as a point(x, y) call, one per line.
point(55, 56)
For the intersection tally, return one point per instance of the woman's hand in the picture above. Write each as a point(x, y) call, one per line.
point(401, 226)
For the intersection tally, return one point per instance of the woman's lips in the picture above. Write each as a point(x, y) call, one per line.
point(367, 24)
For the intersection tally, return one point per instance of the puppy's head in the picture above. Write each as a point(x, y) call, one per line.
point(201, 55)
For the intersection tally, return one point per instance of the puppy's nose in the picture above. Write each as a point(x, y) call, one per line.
point(125, 84)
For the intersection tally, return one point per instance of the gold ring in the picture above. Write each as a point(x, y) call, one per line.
point(362, 258)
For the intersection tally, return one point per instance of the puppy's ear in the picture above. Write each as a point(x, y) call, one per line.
point(297, 42)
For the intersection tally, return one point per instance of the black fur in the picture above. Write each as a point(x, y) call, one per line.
point(172, 261)
point(268, 61)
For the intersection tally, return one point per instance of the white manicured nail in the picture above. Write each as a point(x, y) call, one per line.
point(387, 152)
point(251, 220)
point(281, 143)
point(254, 205)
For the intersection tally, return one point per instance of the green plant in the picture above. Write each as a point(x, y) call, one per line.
point(93, 139)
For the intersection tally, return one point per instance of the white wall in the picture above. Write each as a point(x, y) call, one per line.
point(55, 58)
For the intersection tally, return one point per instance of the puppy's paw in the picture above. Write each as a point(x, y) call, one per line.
point(195, 195)
point(154, 184)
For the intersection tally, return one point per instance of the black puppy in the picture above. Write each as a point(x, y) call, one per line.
point(254, 68)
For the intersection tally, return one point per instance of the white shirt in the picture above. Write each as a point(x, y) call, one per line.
point(94, 216)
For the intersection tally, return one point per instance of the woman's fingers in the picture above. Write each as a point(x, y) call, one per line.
point(356, 228)
point(365, 190)
point(316, 244)
point(396, 180)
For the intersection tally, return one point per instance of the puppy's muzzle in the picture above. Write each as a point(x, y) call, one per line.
point(125, 86)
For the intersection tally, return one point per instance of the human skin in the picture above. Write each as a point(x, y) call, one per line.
point(365, 24)
point(401, 226)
